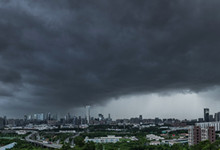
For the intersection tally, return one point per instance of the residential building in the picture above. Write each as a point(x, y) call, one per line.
point(209, 124)
point(198, 134)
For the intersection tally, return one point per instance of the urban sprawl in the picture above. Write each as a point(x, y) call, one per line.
point(46, 131)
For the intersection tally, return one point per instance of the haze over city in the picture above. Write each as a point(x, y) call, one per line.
point(127, 58)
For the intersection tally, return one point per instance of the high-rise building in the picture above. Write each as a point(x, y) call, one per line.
point(88, 114)
point(25, 118)
point(5, 120)
point(200, 119)
point(55, 117)
point(140, 117)
point(211, 118)
point(1, 123)
point(40, 117)
point(206, 114)
point(217, 116)
point(211, 134)
point(48, 117)
point(29, 117)
point(68, 117)
point(101, 117)
point(198, 134)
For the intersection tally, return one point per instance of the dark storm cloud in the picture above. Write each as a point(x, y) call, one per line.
point(64, 54)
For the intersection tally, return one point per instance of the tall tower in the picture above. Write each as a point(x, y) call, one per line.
point(88, 114)
point(206, 114)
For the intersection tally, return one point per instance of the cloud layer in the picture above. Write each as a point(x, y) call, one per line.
point(65, 54)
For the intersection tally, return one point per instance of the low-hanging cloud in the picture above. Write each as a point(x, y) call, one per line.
point(64, 54)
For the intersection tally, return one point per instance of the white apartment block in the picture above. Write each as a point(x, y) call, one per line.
point(108, 139)
point(209, 124)
point(154, 137)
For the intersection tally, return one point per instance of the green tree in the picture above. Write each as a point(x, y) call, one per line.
point(79, 141)
point(66, 147)
point(89, 146)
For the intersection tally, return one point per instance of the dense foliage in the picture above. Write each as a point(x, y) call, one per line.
point(137, 145)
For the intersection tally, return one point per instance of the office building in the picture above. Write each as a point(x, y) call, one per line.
point(211, 118)
point(206, 114)
point(217, 116)
point(1, 123)
point(48, 116)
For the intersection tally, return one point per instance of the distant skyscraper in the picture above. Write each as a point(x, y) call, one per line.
point(48, 116)
point(88, 114)
point(40, 117)
point(5, 120)
point(25, 118)
point(101, 117)
point(55, 117)
point(140, 117)
point(206, 114)
point(30, 117)
point(1, 123)
point(68, 117)
point(211, 118)
point(217, 116)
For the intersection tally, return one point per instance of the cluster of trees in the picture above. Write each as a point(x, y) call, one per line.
point(141, 145)
point(4, 142)
point(12, 135)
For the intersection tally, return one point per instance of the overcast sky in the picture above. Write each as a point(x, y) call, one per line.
point(159, 58)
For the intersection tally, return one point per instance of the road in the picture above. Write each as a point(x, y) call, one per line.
point(73, 137)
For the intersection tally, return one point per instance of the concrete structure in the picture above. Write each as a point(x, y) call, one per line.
point(198, 134)
point(108, 139)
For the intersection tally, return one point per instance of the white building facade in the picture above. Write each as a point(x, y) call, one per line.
point(210, 124)
point(108, 139)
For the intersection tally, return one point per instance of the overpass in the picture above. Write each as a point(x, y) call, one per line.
point(41, 143)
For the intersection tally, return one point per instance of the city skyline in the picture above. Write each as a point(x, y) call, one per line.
point(208, 116)
point(190, 112)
